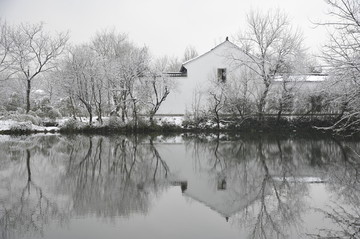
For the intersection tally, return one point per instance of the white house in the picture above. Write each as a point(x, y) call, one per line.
point(194, 79)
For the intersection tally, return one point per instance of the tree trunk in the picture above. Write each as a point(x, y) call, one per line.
point(100, 113)
point(262, 102)
point(72, 108)
point(278, 117)
point(123, 111)
point(28, 89)
point(217, 119)
point(151, 118)
point(90, 116)
point(153, 112)
point(88, 108)
point(135, 116)
point(100, 108)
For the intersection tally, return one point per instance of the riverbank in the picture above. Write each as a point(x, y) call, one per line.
point(172, 125)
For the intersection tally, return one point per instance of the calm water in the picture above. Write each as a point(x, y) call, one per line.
point(54, 186)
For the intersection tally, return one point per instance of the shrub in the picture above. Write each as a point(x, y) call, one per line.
point(33, 119)
point(141, 123)
point(40, 113)
point(23, 118)
point(2, 110)
point(21, 127)
point(13, 102)
point(168, 126)
point(53, 113)
point(115, 122)
point(71, 125)
point(32, 113)
point(20, 110)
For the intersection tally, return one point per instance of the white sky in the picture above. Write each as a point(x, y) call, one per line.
point(165, 26)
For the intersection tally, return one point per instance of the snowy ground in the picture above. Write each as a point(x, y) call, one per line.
point(172, 120)
point(6, 125)
point(160, 120)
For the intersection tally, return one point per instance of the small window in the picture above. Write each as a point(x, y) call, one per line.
point(221, 74)
point(221, 184)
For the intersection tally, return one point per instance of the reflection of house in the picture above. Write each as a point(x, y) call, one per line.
point(237, 177)
point(231, 190)
point(227, 202)
point(238, 195)
point(225, 192)
point(193, 80)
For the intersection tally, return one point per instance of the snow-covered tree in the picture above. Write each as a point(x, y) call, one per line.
point(271, 46)
point(342, 53)
point(123, 64)
point(35, 52)
point(6, 45)
point(110, 47)
point(82, 80)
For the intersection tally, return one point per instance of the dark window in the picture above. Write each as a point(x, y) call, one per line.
point(221, 184)
point(221, 73)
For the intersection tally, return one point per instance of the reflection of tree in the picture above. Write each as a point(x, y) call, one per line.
point(113, 176)
point(345, 183)
point(28, 156)
point(280, 203)
point(347, 221)
point(53, 177)
point(102, 175)
point(25, 209)
point(160, 164)
point(266, 174)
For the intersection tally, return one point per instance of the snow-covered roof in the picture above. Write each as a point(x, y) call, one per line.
point(303, 78)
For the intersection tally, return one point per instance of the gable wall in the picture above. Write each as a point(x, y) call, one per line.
point(195, 86)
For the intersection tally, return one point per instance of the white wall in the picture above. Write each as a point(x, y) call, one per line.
point(200, 71)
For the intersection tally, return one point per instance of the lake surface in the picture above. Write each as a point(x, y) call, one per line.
point(186, 186)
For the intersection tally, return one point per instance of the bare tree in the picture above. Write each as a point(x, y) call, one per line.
point(134, 66)
point(110, 44)
point(79, 79)
point(190, 53)
point(344, 28)
point(110, 47)
point(6, 45)
point(157, 86)
point(240, 93)
point(285, 91)
point(217, 99)
point(174, 64)
point(270, 45)
point(122, 64)
point(342, 54)
point(35, 52)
